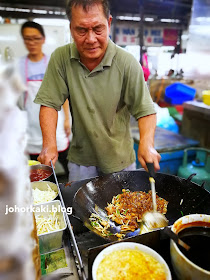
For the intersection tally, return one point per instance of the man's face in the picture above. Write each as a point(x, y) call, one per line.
point(90, 31)
point(33, 40)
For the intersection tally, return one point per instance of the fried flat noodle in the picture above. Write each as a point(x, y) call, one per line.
point(128, 208)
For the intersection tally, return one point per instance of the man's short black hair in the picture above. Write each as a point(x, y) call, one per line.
point(86, 4)
point(33, 24)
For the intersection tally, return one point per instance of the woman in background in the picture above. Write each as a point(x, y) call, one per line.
point(32, 69)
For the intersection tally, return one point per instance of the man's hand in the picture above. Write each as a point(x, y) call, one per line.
point(147, 154)
point(48, 154)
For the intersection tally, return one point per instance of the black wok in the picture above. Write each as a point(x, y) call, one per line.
point(184, 196)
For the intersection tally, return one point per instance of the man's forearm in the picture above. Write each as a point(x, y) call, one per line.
point(147, 127)
point(146, 151)
point(48, 121)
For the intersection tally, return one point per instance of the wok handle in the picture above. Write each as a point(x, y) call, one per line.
point(151, 169)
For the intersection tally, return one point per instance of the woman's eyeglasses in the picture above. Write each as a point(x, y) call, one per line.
point(35, 40)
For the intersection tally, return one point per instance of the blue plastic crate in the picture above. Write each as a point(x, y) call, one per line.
point(179, 93)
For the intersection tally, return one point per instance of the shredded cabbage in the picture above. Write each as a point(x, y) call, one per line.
point(47, 224)
point(43, 196)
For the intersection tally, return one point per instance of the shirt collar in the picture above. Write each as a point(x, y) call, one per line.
point(109, 55)
point(74, 51)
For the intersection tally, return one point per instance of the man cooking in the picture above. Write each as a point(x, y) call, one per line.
point(105, 85)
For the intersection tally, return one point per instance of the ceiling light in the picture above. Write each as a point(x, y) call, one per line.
point(170, 20)
point(10, 9)
point(14, 9)
point(22, 10)
point(128, 18)
point(39, 11)
point(149, 19)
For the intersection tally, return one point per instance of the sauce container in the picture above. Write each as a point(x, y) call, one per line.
point(183, 267)
point(40, 172)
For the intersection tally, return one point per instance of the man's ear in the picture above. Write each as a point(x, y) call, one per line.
point(70, 27)
point(110, 21)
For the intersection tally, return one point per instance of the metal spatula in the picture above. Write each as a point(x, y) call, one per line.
point(153, 219)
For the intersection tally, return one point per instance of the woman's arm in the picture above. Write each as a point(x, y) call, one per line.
point(67, 126)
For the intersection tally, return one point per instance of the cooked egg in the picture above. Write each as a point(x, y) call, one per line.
point(129, 264)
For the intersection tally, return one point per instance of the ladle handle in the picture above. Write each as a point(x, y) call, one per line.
point(152, 184)
point(175, 238)
point(151, 169)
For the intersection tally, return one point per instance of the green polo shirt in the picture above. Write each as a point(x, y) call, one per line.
point(101, 102)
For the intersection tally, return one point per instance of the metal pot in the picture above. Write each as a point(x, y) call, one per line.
point(183, 267)
point(45, 168)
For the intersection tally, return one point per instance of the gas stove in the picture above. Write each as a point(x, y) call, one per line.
point(89, 244)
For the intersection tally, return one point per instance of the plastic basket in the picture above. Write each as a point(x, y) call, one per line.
point(179, 93)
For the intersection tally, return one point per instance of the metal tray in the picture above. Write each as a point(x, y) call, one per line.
point(53, 240)
point(43, 186)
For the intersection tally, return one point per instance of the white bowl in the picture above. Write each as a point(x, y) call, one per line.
point(132, 246)
point(183, 267)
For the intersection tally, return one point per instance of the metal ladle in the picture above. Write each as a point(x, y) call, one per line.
point(153, 219)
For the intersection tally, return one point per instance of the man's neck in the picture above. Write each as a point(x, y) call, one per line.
point(90, 64)
point(36, 57)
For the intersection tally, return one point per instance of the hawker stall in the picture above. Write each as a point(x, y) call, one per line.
point(70, 227)
point(106, 219)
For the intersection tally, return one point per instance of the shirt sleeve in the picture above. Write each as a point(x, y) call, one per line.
point(53, 91)
point(136, 94)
